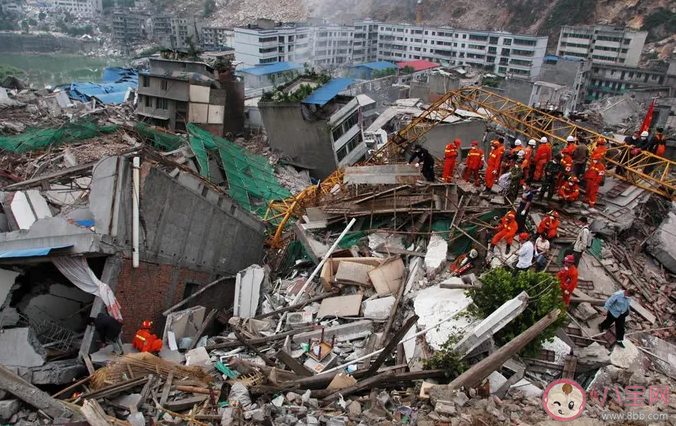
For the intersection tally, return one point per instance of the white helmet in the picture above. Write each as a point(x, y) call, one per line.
point(517, 142)
point(532, 142)
point(570, 138)
point(520, 154)
point(543, 139)
point(645, 134)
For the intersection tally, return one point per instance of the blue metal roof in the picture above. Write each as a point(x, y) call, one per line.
point(379, 65)
point(565, 58)
point(272, 68)
point(105, 93)
point(44, 251)
point(328, 91)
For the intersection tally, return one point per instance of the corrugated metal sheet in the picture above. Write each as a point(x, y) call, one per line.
point(42, 251)
point(328, 91)
point(379, 65)
point(272, 68)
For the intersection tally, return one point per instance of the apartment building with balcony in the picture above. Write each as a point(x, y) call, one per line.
point(332, 46)
point(81, 8)
point(172, 32)
point(365, 41)
point(129, 27)
point(505, 54)
point(267, 43)
point(602, 44)
point(217, 37)
point(614, 80)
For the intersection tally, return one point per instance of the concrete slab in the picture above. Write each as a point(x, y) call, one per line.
point(197, 356)
point(70, 292)
point(54, 372)
point(435, 257)
point(496, 380)
point(38, 203)
point(105, 354)
point(248, 291)
point(344, 332)
point(527, 388)
point(170, 355)
point(21, 210)
point(560, 349)
point(382, 174)
point(379, 309)
point(434, 304)
point(20, 347)
point(662, 245)
point(184, 323)
point(626, 357)
point(341, 306)
point(127, 400)
point(7, 279)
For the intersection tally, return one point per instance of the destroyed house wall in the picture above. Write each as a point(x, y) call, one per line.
point(307, 142)
point(467, 131)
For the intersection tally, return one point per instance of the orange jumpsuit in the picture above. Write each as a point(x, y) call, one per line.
point(493, 167)
point(599, 153)
point(473, 163)
point(549, 226)
point(568, 280)
point(451, 155)
point(506, 230)
point(594, 177)
point(542, 156)
point(569, 193)
point(661, 145)
point(567, 163)
point(527, 159)
point(145, 341)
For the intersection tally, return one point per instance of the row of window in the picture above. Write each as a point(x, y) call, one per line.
point(350, 146)
point(345, 126)
point(150, 102)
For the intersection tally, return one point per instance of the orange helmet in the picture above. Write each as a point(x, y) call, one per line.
point(573, 179)
point(553, 213)
point(474, 143)
point(495, 143)
point(147, 324)
point(601, 141)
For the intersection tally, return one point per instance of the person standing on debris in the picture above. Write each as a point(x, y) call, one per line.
point(450, 157)
point(567, 152)
point(524, 206)
point(593, 176)
point(630, 144)
point(658, 144)
point(427, 161)
point(515, 177)
point(541, 252)
point(644, 142)
point(570, 192)
point(528, 166)
point(551, 174)
point(549, 226)
point(526, 253)
point(108, 329)
point(473, 163)
point(600, 150)
point(514, 153)
point(506, 231)
point(568, 278)
point(543, 155)
point(493, 166)
point(581, 240)
point(579, 158)
point(617, 309)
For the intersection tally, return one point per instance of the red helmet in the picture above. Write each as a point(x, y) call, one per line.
point(147, 324)
point(601, 141)
point(569, 259)
point(495, 143)
point(553, 213)
point(474, 143)
point(511, 214)
point(573, 179)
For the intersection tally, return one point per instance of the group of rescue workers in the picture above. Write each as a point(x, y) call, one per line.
point(514, 168)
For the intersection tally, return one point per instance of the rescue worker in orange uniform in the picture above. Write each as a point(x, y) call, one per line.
point(567, 152)
point(145, 340)
point(473, 163)
point(659, 142)
point(514, 154)
point(599, 152)
point(593, 176)
point(493, 166)
point(450, 157)
point(506, 231)
point(542, 156)
point(567, 166)
point(528, 164)
point(568, 278)
point(570, 192)
point(549, 226)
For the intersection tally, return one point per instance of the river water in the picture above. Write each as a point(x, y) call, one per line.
point(44, 70)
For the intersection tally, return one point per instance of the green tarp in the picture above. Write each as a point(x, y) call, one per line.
point(161, 140)
point(251, 179)
point(34, 139)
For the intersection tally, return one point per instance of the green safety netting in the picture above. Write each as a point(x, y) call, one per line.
point(35, 139)
point(161, 140)
point(251, 179)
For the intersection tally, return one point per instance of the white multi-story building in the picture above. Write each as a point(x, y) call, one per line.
point(602, 44)
point(502, 53)
point(215, 37)
point(365, 43)
point(332, 46)
point(173, 32)
point(266, 43)
point(86, 8)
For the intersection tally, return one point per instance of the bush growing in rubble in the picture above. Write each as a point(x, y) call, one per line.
point(447, 359)
point(543, 291)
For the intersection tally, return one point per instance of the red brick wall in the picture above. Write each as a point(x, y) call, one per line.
point(143, 293)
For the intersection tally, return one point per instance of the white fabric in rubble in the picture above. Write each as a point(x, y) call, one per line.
point(79, 273)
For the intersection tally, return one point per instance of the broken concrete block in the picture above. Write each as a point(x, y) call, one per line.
point(299, 319)
point(445, 408)
point(127, 400)
point(625, 357)
point(435, 257)
point(7, 279)
point(379, 308)
point(344, 332)
point(54, 372)
point(8, 408)
point(584, 311)
point(20, 347)
point(662, 244)
point(197, 356)
point(460, 399)
point(248, 291)
point(434, 304)
point(353, 409)
point(593, 355)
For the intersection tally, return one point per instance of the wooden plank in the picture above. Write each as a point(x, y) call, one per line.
point(145, 393)
point(392, 344)
point(261, 340)
point(88, 363)
point(642, 311)
point(292, 363)
point(393, 312)
point(340, 306)
point(186, 403)
point(94, 413)
point(166, 389)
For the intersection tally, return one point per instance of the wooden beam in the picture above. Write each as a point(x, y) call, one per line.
point(261, 340)
point(484, 368)
point(197, 293)
point(393, 311)
point(392, 344)
point(253, 348)
point(167, 388)
point(292, 363)
point(88, 363)
point(94, 413)
point(296, 306)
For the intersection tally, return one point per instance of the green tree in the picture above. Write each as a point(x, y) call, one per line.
point(194, 52)
point(25, 27)
point(408, 70)
point(499, 286)
point(32, 22)
point(42, 16)
point(209, 8)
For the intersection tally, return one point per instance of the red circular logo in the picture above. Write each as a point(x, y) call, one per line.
point(564, 400)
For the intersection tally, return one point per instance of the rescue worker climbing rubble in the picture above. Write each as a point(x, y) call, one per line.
point(427, 160)
point(506, 230)
point(450, 157)
point(473, 163)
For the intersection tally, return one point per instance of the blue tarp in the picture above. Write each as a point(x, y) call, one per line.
point(120, 75)
point(328, 91)
point(272, 68)
point(115, 83)
point(43, 251)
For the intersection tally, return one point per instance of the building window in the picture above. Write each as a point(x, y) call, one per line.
point(162, 103)
point(163, 84)
point(146, 81)
point(148, 101)
point(507, 42)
